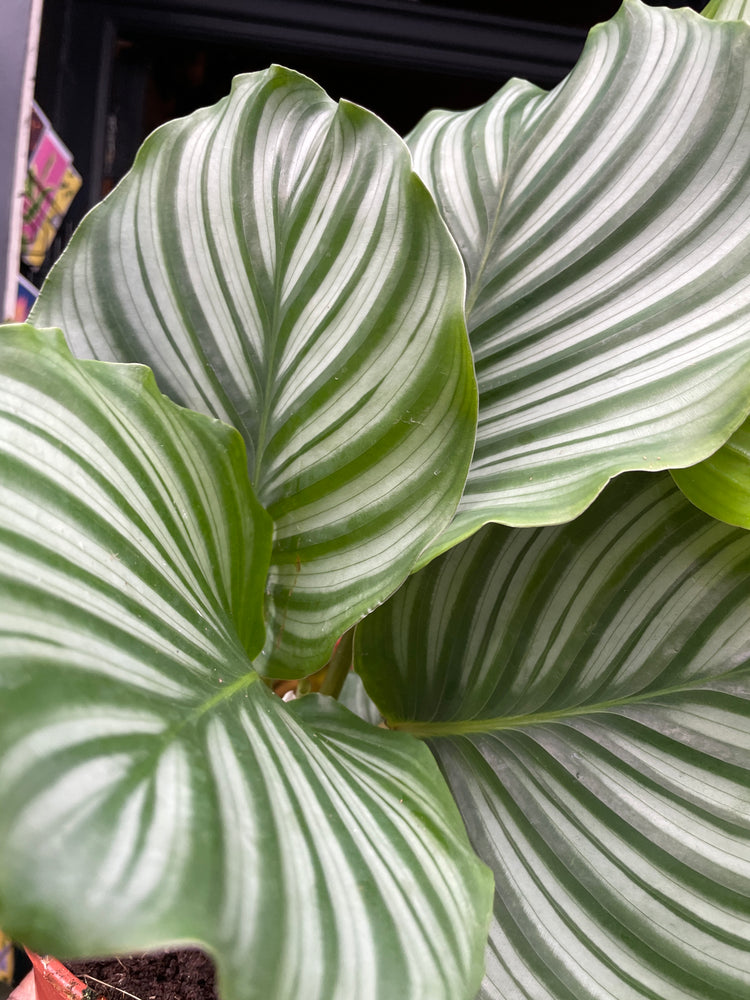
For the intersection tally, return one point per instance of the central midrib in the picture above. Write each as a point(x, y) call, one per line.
point(472, 292)
point(466, 727)
point(175, 730)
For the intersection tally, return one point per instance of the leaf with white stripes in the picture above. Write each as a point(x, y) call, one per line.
point(720, 484)
point(277, 263)
point(154, 791)
point(605, 231)
point(586, 691)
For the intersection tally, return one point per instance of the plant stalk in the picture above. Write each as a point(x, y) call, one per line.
point(339, 665)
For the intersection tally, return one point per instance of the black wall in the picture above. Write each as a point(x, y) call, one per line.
point(109, 72)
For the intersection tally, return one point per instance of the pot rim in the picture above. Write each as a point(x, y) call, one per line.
point(50, 980)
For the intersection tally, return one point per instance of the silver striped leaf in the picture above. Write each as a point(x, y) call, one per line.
point(586, 691)
point(277, 263)
point(154, 792)
point(720, 485)
point(605, 231)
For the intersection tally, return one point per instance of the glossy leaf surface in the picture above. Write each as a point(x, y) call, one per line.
point(586, 690)
point(605, 231)
point(278, 264)
point(153, 790)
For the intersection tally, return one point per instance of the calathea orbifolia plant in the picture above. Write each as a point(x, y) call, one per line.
point(577, 664)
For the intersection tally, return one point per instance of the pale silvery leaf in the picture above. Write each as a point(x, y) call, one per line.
point(277, 263)
point(154, 791)
point(605, 231)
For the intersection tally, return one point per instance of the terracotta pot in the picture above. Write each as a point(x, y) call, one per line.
point(50, 980)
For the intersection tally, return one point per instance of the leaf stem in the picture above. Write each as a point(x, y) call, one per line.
point(339, 665)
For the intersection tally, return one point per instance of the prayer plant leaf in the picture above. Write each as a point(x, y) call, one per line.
point(277, 263)
point(720, 485)
point(605, 231)
point(586, 691)
point(153, 790)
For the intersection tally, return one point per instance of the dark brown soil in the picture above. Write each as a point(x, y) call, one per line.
point(171, 975)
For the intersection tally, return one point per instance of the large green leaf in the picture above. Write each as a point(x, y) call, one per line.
point(605, 230)
point(278, 264)
point(586, 690)
point(153, 790)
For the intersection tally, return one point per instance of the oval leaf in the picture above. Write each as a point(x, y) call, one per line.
point(605, 231)
point(153, 790)
point(278, 264)
point(586, 691)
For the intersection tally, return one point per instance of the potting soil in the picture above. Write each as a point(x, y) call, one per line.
point(172, 975)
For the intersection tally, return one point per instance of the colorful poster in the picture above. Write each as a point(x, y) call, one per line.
point(25, 299)
point(38, 124)
point(66, 191)
point(51, 185)
point(6, 959)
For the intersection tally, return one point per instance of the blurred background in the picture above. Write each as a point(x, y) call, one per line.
point(107, 73)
